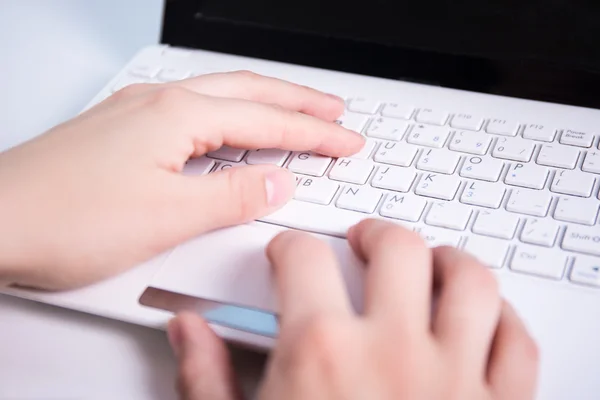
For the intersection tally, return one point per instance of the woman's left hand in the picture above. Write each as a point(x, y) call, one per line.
point(104, 191)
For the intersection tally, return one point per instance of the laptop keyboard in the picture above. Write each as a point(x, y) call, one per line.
point(520, 197)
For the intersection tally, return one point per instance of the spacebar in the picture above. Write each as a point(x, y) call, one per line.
point(316, 218)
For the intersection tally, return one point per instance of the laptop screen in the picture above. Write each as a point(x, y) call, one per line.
point(544, 50)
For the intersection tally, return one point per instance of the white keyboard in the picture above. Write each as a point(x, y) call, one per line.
point(520, 196)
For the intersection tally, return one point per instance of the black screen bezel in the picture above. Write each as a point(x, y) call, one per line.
point(184, 25)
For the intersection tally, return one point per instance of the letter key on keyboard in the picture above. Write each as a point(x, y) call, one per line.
point(482, 168)
point(527, 175)
point(438, 160)
point(308, 163)
point(484, 194)
point(316, 190)
point(351, 170)
point(400, 154)
point(439, 186)
point(403, 206)
point(359, 198)
point(394, 178)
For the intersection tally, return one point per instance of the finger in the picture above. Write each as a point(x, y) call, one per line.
point(229, 197)
point(513, 365)
point(309, 282)
point(399, 273)
point(205, 371)
point(468, 307)
point(250, 86)
point(211, 122)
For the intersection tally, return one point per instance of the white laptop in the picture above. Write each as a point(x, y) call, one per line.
point(483, 126)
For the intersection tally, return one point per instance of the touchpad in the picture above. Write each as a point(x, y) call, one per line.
point(230, 271)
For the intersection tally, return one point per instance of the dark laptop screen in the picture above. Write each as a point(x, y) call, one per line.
point(546, 50)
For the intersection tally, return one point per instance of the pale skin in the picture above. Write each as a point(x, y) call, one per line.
point(104, 192)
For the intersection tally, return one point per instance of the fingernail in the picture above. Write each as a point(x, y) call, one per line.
point(279, 185)
point(174, 335)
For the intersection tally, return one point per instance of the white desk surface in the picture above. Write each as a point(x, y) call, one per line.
point(55, 56)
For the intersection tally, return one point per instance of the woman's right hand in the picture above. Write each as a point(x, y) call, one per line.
point(471, 346)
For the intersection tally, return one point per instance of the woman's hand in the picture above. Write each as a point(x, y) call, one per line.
point(434, 327)
point(104, 191)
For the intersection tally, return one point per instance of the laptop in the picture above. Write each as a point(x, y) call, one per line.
point(482, 122)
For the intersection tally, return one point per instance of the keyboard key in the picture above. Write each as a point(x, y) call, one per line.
point(227, 153)
point(403, 206)
point(316, 190)
point(173, 74)
point(539, 231)
point(314, 218)
point(401, 154)
point(438, 186)
point(352, 121)
point(575, 183)
point(498, 126)
point(538, 261)
point(482, 168)
point(394, 178)
point(144, 71)
point(366, 150)
point(198, 166)
point(574, 138)
point(592, 162)
point(515, 149)
point(435, 237)
point(309, 163)
point(586, 271)
point(438, 160)
point(449, 215)
point(433, 117)
point(426, 135)
point(484, 194)
point(396, 110)
point(222, 166)
point(363, 105)
point(470, 142)
point(527, 175)
point(388, 129)
point(359, 198)
point(539, 132)
point(352, 170)
point(467, 121)
point(498, 224)
point(268, 156)
point(529, 201)
point(558, 156)
point(582, 239)
point(490, 252)
point(579, 211)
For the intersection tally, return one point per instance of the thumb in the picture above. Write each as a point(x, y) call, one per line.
point(239, 195)
point(205, 371)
